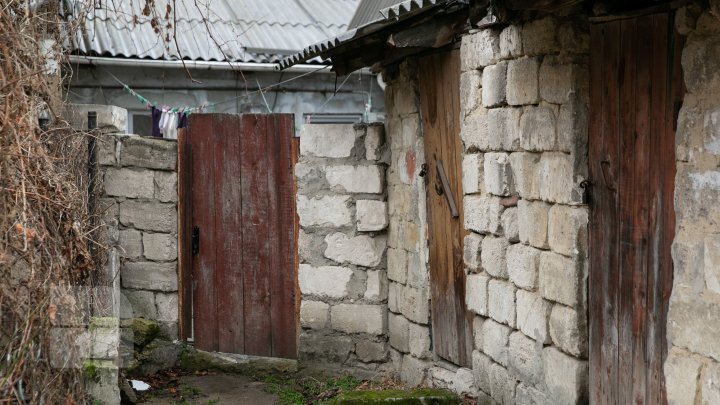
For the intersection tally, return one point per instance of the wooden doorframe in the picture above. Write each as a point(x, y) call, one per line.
point(633, 115)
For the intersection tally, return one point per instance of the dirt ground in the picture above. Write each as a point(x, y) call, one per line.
point(213, 389)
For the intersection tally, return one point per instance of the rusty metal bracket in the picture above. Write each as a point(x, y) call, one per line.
point(446, 189)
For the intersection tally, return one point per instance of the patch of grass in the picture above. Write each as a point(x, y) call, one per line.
point(308, 390)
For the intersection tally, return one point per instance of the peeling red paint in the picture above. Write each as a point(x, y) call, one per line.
point(410, 163)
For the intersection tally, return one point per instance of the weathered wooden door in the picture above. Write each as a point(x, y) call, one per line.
point(440, 101)
point(243, 214)
point(634, 85)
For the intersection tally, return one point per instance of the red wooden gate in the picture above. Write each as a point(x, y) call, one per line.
point(242, 213)
point(634, 86)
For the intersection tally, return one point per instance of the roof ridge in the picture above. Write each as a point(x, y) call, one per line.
point(146, 20)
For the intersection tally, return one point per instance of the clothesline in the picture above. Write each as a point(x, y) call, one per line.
point(204, 107)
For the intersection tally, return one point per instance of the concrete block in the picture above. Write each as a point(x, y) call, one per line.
point(377, 287)
point(498, 174)
point(566, 377)
point(525, 168)
point(522, 81)
point(130, 242)
point(572, 126)
point(359, 318)
point(369, 351)
point(399, 332)
point(556, 80)
point(557, 179)
point(361, 250)
point(149, 216)
point(559, 278)
point(539, 36)
point(394, 296)
point(333, 348)
point(397, 265)
point(415, 304)
point(495, 341)
point(151, 153)
point(476, 293)
point(167, 307)
point(481, 370)
point(502, 385)
point(356, 179)
point(533, 223)
point(474, 131)
point(493, 256)
point(710, 390)
point(327, 140)
point(413, 371)
point(325, 281)
point(538, 129)
point(501, 302)
point(314, 314)
point(374, 141)
point(482, 214)
point(525, 394)
point(494, 79)
point(568, 330)
point(682, 372)
point(371, 215)
point(165, 186)
point(479, 50)
point(522, 265)
point(470, 91)
point(159, 246)
point(511, 42)
point(473, 177)
point(574, 37)
point(129, 182)
point(327, 211)
point(419, 341)
point(567, 230)
point(418, 272)
point(472, 248)
point(694, 323)
point(532, 316)
point(477, 332)
point(504, 128)
point(525, 358)
point(149, 276)
point(110, 118)
point(140, 304)
point(712, 263)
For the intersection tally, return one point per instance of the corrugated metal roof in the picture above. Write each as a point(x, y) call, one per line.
point(369, 11)
point(389, 15)
point(239, 30)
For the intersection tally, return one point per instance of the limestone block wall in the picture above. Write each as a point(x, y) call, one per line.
point(342, 210)
point(140, 202)
point(692, 368)
point(409, 287)
point(524, 100)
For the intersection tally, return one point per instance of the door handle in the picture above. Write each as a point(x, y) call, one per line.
point(446, 189)
point(607, 174)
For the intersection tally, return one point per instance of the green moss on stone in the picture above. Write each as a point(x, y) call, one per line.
point(425, 396)
point(89, 369)
point(103, 322)
point(144, 330)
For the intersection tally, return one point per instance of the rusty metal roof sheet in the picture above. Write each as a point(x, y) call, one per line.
point(388, 16)
point(213, 30)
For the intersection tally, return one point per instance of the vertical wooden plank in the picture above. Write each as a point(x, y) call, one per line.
point(184, 235)
point(255, 246)
point(281, 272)
point(660, 106)
point(229, 258)
point(202, 139)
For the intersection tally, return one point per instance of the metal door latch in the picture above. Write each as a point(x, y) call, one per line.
point(423, 170)
point(586, 185)
point(195, 240)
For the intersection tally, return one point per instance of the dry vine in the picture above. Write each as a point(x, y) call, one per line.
point(45, 229)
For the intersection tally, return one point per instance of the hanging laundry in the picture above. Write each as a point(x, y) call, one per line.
point(183, 121)
point(170, 127)
point(155, 114)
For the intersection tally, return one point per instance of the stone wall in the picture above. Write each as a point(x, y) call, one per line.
point(692, 369)
point(409, 288)
point(524, 100)
point(140, 202)
point(343, 219)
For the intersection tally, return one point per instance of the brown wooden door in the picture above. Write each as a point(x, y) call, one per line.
point(242, 204)
point(634, 84)
point(440, 101)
